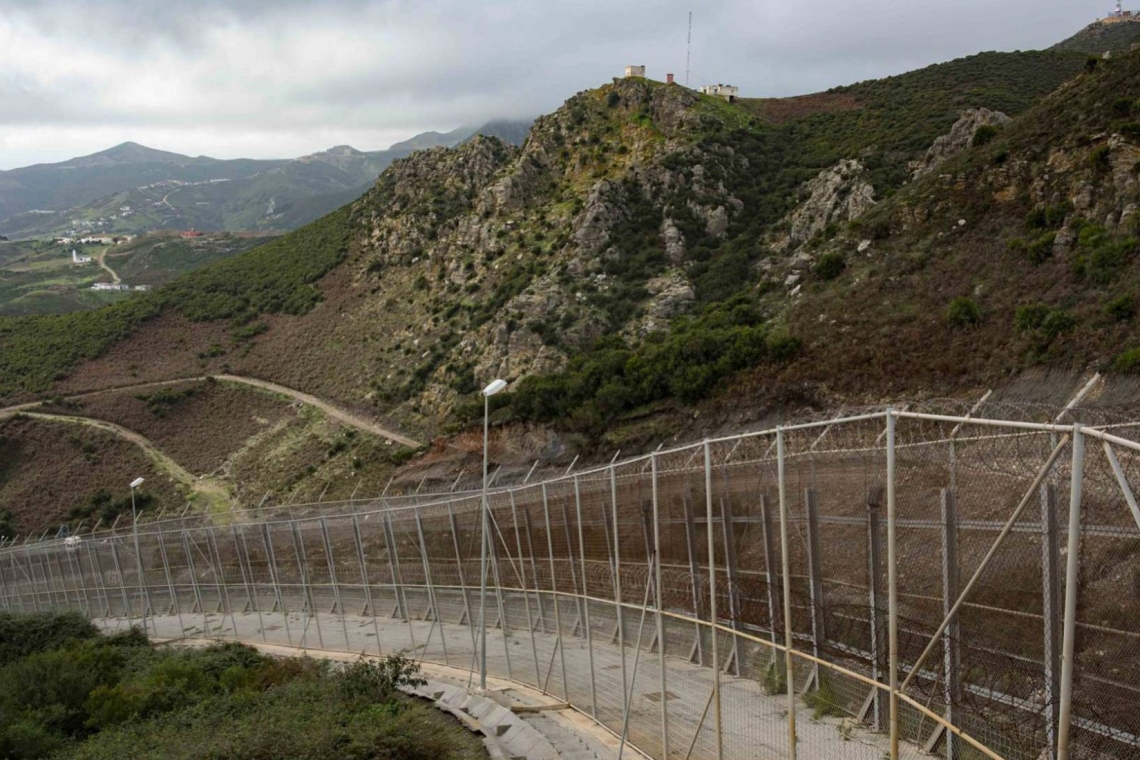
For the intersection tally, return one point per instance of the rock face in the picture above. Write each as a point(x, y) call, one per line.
point(958, 139)
point(838, 194)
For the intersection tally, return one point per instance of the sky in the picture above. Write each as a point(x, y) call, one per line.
point(260, 79)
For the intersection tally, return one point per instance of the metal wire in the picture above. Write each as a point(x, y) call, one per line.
point(724, 599)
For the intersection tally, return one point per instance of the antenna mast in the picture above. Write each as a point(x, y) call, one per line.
point(688, 48)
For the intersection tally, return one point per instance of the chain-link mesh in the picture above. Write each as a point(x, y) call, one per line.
point(699, 601)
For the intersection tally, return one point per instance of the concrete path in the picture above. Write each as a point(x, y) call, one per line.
point(753, 724)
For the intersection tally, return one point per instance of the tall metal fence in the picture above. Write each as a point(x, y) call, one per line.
point(889, 584)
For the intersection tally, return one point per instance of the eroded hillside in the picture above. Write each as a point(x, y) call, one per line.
point(648, 248)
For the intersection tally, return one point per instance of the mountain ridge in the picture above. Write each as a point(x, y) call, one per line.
point(653, 259)
point(87, 194)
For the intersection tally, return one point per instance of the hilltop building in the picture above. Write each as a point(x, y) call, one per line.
point(79, 258)
point(726, 91)
point(634, 71)
point(110, 286)
point(1119, 14)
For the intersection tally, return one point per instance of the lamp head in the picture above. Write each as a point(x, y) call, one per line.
point(494, 387)
point(136, 482)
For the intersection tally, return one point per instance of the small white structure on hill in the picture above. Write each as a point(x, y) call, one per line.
point(110, 286)
point(726, 91)
point(79, 258)
point(634, 71)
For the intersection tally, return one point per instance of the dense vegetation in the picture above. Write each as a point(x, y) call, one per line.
point(68, 692)
point(897, 119)
point(274, 278)
point(686, 363)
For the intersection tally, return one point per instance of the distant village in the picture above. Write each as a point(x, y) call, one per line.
point(83, 259)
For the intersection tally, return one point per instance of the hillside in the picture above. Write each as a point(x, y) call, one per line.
point(131, 188)
point(648, 248)
point(1101, 36)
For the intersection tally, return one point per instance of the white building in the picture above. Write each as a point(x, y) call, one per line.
point(79, 258)
point(634, 71)
point(110, 286)
point(726, 91)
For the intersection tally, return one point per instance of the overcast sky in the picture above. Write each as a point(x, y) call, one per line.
point(263, 79)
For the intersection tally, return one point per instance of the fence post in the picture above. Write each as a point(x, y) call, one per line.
point(170, 584)
point(437, 617)
point(734, 611)
point(951, 689)
point(465, 615)
point(275, 579)
point(364, 579)
point(247, 578)
point(526, 593)
point(892, 586)
point(616, 557)
point(1051, 610)
point(815, 569)
point(334, 582)
point(660, 608)
point(690, 545)
point(306, 586)
point(769, 566)
point(220, 579)
point(713, 634)
point(1072, 565)
point(875, 599)
point(554, 592)
point(194, 583)
point(586, 599)
point(789, 671)
point(398, 577)
point(127, 610)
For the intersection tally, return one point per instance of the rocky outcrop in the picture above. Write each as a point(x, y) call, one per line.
point(670, 295)
point(838, 194)
point(959, 138)
point(674, 241)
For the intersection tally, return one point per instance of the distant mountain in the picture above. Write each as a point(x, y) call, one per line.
point(435, 139)
point(513, 131)
point(131, 153)
point(131, 188)
point(1105, 35)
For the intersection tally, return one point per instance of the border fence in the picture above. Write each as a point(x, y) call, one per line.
point(881, 585)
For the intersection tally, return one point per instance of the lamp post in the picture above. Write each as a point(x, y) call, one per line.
point(138, 556)
point(490, 390)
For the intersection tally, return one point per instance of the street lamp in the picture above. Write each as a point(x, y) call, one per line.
point(490, 390)
point(138, 556)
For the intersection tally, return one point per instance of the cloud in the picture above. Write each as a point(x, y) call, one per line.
point(281, 78)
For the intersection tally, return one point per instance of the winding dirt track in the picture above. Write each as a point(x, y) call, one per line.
point(335, 412)
point(216, 493)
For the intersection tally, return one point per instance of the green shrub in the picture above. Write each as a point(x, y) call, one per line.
point(7, 524)
point(1128, 361)
point(1122, 106)
point(1121, 308)
point(1101, 158)
point(963, 312)
point(824, 701)
point(686, 363)
point(22, 635)
point(1042, 323)
point(829, 266)
point(983, 135)
point(379, 680)
point(1130, 130)
point(1047, 217)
